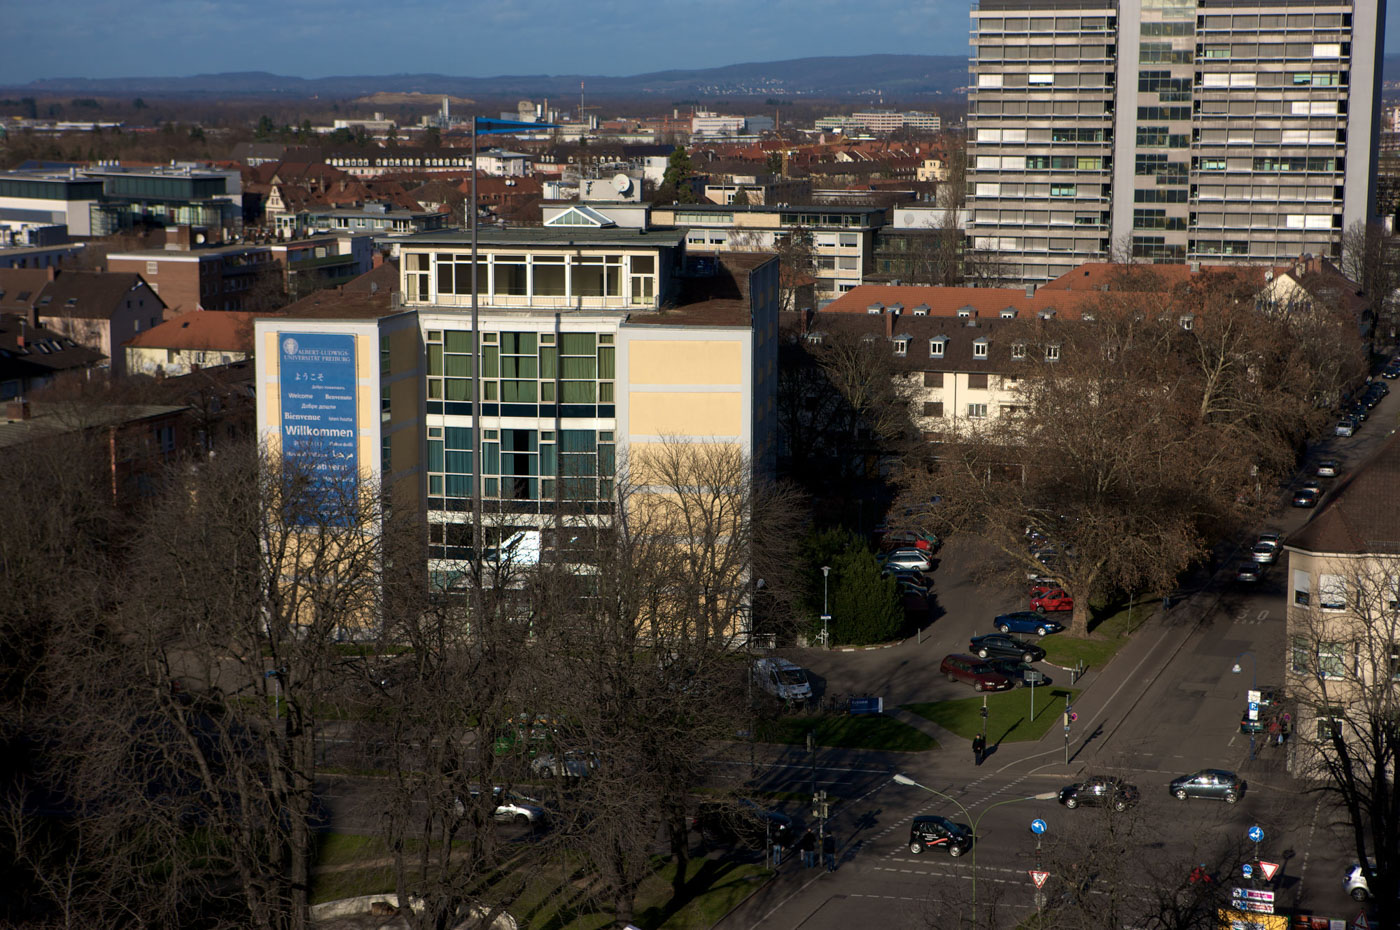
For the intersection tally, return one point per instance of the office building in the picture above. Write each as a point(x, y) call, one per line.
point(1168, 131)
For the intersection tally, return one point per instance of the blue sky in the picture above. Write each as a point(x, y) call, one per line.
point(316, 38)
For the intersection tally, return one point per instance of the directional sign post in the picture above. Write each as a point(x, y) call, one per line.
point(1256, 833)
point(1247, 870)
point(1251, 899)
point(1038, 826)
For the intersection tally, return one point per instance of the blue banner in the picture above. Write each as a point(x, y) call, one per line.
point(320, 433)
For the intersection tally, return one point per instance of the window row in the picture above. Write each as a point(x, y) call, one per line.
point(1044, 24)
point(1061, 51)
point(1319, 50)
point(523, 464)
point(1043, 162)
point(428, 276)
point(523, 368)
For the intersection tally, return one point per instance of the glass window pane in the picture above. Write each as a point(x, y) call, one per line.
point(459, 437)
point(434, 360)
point(458, 341)
point(577, 392)
point(459, 462)
point(605, 392)
point(518, 392)
point(459, 366)
point(578, 368)
point(459, 389)
point(577, 343)
point(547, 392)
point(578, 440)
point(490, 366)
point(549, 279)
point(547, 366)
point(491, 457)
point(606, 362)
point(547, 460)
point(434, 455)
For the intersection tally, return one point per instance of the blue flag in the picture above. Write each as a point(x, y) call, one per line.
point(485, 126)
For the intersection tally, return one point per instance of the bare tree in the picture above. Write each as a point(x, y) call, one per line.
point(1342, 666)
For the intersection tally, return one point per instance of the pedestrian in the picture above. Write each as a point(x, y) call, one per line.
point(808, 845)
point(1275, 732)
point(979, 748)
point(1284, 728)
point(829, 852)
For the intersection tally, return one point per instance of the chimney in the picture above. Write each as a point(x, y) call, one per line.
point(17, 410)
point(1030, 290)
point(807, 315)
point(1195, 267)
point(889, 324)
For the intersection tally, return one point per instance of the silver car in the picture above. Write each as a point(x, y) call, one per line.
point(1264, 554)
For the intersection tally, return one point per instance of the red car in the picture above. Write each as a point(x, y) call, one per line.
point(976, 672)
point(1049, 597)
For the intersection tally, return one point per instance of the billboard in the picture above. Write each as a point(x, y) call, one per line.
point(319, 429)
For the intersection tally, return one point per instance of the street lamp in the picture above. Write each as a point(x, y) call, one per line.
point(1253, 687)
point(826, 610)
point(903, 779)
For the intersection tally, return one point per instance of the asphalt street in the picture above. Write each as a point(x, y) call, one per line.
point(1168, 704)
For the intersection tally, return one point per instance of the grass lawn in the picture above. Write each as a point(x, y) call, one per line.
point(847, 732)
point(1008, 714)
point(1109, 630)
point(557, 897)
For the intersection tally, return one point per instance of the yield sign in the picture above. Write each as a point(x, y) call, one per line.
point(1039, 878)
point(1268, 868)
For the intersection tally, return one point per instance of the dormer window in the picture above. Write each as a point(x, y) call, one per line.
point(965, 312)
point(979, 348)
point(1087, 317)
point(920, 310)
point(1188, 320)
point(875, 309)
point(935, 347)
point(1047, 314)
point(901, 346)
point(895, 308)
point(1009, 313)
point(1052, 353)
point(814, 339)
point(1018, 350)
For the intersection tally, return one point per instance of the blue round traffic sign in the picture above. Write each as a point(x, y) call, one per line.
point(1247, 870)
point(1038, 826)
point(1256, 834)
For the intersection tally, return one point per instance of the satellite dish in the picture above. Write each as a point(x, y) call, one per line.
point(622, 183)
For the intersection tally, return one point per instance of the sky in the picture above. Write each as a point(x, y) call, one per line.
point(319, 38)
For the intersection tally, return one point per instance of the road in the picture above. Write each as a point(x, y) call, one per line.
point(1169, 704)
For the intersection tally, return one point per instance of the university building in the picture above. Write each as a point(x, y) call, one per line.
point(594, 343)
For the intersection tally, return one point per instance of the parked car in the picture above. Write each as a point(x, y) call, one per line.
point(1306, 497)
point(909, 586)
point(1269, 707)
point(572, 763)
point(1216, 784)
point(510, 807)
point(1020, 672)
point(785, 680)
point(1346, 426)
point(1264, 554)
point(929, 832)
point(916, 559)
point(1327, 468)
point(1249, 571)
point(743, 823)
point(1004, 644)
point(1026, 621)
point(1271, 538)
point(1100, 791)
point(1050, 597)
point(974, 671)
point(1358, 411)
point(910, 539)
point(1392, 371)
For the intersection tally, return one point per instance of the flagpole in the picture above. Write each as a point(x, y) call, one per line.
point(477, 483)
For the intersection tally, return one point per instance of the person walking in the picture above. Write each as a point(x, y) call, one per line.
point(1284, 727)
point(808, 845)
point(979, 748)
point(1275, 732)
point(829, 852)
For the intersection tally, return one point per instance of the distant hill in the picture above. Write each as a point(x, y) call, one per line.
point(852, 76)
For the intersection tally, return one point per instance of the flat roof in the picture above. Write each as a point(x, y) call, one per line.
point(550, 235)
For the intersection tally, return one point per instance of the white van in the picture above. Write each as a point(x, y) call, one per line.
point(782, 679)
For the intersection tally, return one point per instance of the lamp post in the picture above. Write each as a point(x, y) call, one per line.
point(826, 610)
point(901, 778)
point(1253, 687)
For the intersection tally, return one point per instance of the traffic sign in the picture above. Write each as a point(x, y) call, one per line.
point(1247, 870)
point(1039, 877)
point(1038, 827)
point(1253, 710)
point(1269, 869)
point(1256, 833)
point(1254, 697)
point(1073, 716)
point(1252, 894)
point(1361, 923)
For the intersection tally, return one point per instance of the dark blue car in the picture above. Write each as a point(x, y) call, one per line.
point(1026, 621)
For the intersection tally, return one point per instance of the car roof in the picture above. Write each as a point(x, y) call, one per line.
point(1021, 615)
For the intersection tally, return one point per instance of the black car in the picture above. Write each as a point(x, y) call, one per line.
point(743, 823)
point(1100, 791)
point(928, 832)
point(1216, 784)
point(1306, 497)
point(1002, 644)
point(1020, 672)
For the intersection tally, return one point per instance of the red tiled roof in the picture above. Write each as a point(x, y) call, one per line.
point(986, 302)
point(230, 330)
